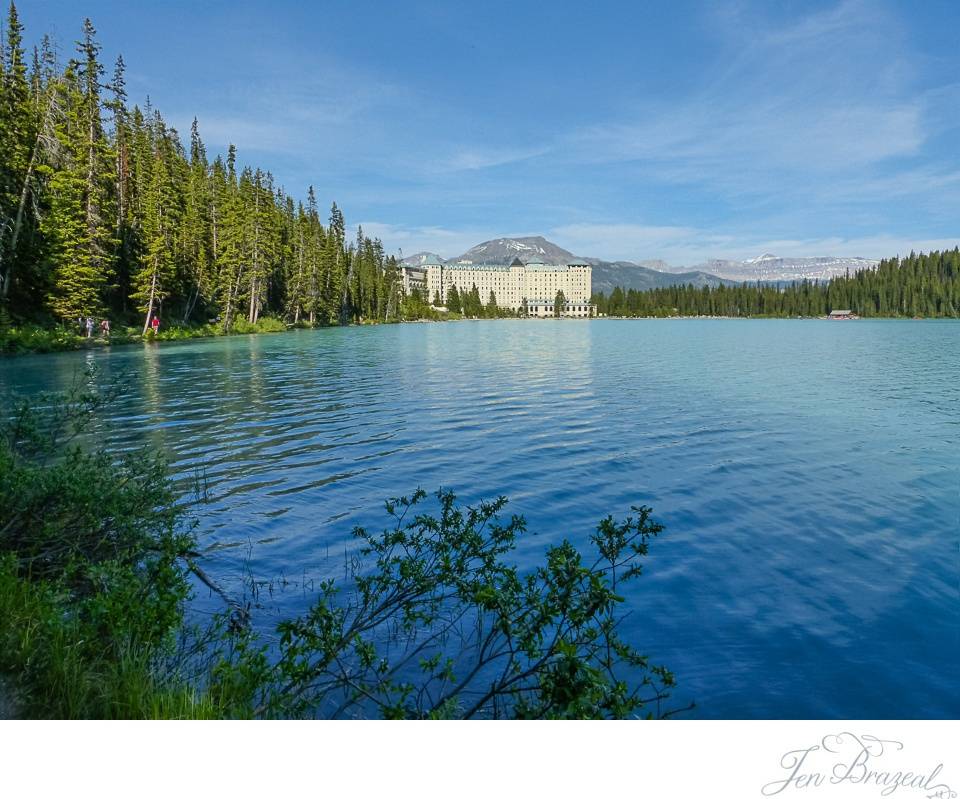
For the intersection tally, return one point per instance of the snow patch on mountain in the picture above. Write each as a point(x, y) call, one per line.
point(772, 268)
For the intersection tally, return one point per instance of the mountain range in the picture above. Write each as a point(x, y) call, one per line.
point(769, 268)
point(654, 273)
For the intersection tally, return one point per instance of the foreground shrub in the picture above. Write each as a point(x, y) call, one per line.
point(439, 624)
point(93, 570)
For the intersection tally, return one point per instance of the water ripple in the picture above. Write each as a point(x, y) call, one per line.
point(808, 474)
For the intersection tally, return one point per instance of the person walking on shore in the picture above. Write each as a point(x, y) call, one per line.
point(89, 326)
point(155, 324)
point(105, 328)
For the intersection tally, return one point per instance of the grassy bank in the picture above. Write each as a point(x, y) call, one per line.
point(28, 338)
point(92, 572)
point(33, 338)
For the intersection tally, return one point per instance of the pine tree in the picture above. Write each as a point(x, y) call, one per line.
point(23, 124)
point(492, 311)
point(334, 268)
point(559, 304)
point(232, 242)
point(153, 281)
point(124, 259)
point(79, 223)
point(453, 300)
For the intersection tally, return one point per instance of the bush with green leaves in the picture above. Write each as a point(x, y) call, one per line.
point(438, 622)
point(93, 568)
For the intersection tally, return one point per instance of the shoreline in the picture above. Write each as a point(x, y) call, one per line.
point(44, 341)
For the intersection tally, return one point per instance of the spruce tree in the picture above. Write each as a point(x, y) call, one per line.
point(453, 300)
point(492, 310)
point(559, 303)
point(154, 279)
point(79, 224)
point(23, 118)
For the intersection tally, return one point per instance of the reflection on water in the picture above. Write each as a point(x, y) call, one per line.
point(808, 474)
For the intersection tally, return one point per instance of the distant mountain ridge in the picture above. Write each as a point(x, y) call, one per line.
point(652, 274)
point(770, 268)
point(420, 258)
point(527, 249)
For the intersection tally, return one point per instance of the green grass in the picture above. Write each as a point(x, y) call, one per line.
point(59, 669)
point(27, 338)
point(33, 338)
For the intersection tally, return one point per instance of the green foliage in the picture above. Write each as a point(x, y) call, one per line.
point(92, 569)
point(414, 306)
point(924, 285)
point(266, 324)
point(470, 303)
point(34, 338)
point(73, 515)
point(53, 649)
point(491, 311)
point(78, 223)
point(439, 623)
point(559, 303)
point(453, 300)
point(28, 338)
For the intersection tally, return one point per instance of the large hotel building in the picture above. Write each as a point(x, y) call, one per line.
point(535, 284)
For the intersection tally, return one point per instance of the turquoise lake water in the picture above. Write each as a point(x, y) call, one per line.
point(807, 472)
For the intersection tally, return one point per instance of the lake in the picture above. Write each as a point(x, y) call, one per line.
point(807, 473)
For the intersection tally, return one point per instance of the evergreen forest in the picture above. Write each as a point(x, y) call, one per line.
point(924, 285)
point(107, 211)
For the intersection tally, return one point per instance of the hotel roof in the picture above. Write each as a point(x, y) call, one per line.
point(533, 266)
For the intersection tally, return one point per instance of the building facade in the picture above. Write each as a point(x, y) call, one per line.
point(414, 278)
point(519, 286)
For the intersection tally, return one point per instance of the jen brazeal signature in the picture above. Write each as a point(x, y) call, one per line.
point(857, 760)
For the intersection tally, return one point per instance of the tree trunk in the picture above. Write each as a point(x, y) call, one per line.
point(255, 277)
point(153, 291)
point(18, 221)
point(234, 292)
point(296, 293)
point(191, 303)
point(345, 293)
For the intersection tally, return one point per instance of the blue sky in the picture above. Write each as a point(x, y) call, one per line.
point(672, 130)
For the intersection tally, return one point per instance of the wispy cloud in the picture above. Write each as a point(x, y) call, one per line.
point(676, 245)
point(445, 242)
point(826, 94)
point(684, 246)
point(476, 157)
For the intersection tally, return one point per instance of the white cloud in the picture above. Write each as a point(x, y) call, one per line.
point(685, 246)
point(442, 241)
point(622, 241)
point(677, 245)
point(824, 95)
point(473, 158)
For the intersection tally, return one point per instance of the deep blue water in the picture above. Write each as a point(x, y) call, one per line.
point(807, 472)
